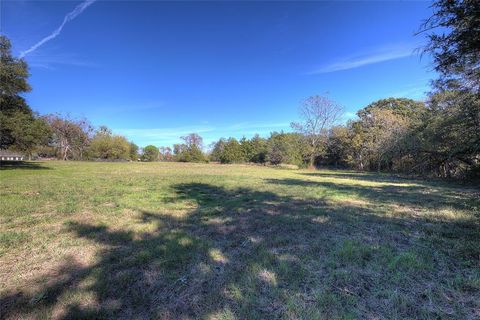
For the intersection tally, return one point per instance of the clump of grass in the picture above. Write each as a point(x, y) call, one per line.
point(9, 240)
point(334, 305)
point(352, 252)
point(467, 283)
point(408, 262)
point(224, 314)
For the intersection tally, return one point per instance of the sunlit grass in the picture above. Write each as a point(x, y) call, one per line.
point(175, 240)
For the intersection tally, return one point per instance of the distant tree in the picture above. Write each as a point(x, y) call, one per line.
point(178, 148)
point(246, 148)
point(317, 115)
point(190, 150)
point(107, 146)
point(28, 132)
point(133, 151)
point(339, 150)
point(10, 108)
point(277, 150)
point(385, 131)
point(357, 145)
point(403, 107)
point(166, 153)
point(46, 151)
point(232, 152)
point(217, 150)
point(447, 141)
point(150, 153)
point(288, 148)
point(259, 147)
point(70, 137)
point(193, 140)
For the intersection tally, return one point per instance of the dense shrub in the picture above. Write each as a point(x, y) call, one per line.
point(106, 146)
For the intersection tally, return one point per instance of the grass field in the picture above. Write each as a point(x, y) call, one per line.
point(207, 241)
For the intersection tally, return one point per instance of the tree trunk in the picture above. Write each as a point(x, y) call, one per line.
point(446, 168)
point(312, 161)
point(65, 153)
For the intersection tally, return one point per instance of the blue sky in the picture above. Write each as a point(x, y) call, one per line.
point(155, 70)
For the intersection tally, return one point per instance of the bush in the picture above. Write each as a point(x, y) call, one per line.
point(105, 146)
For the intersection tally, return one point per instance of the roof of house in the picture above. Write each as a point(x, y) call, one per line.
point(8, 153)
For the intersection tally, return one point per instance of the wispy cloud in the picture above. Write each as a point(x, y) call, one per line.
point(374, 56)
point(69, 17)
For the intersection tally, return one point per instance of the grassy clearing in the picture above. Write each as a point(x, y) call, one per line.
point(172, 240)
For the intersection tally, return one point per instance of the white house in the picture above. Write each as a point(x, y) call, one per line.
point(6, 155)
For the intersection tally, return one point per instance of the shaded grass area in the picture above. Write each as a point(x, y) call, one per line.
point(171, 241)
point(16, 165)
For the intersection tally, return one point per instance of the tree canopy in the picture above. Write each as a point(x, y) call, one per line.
point(439, 136)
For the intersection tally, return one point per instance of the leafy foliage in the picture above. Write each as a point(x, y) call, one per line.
point(454, 34)
point(288, 148)
point(133, 151)
point(280, 147)
point(450, 136)
point(27, 131)
point(191, 150)
point(20, 128)
point(232, 152)
point(317, 115)
point(70, 137)
point(13, 73)
point(106, 146)
point(150, 153)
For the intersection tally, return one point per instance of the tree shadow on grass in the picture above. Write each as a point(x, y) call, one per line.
point(14, 165)
point(372, 177)
point(383, 177)
point(364, 176)
point(245, 254)
point(416, 195)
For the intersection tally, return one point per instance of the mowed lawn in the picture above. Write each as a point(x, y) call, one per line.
point(209, 241)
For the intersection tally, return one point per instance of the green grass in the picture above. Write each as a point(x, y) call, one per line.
point(207, 241)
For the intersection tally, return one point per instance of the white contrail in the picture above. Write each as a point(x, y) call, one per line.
point(69, 17)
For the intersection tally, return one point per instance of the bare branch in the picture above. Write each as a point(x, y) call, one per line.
point(317, 114)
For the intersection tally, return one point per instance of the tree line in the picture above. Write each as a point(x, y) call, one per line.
point(437, 137)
